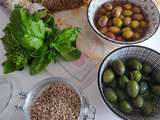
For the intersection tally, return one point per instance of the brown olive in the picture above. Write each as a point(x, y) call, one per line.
point(136, 10)
point(103, 30)
point(140, 30)
point(135, 24)
point(121, 17)
point(126, 28)
point(114, 29)
point(136, 36)
point(109, 23)
point(127, 34)
point(119, 38)
point(108, 6)
point(127, 6)
point(127, 21)
point(116, 12)
point(143, 24)
point(138, 16)
point(110, 35)
point(127, 13)
point(108, 14)
point(117, 22)
point(102, 22)
point(101, 11)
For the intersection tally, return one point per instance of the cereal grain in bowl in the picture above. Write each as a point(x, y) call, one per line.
point(56, 102)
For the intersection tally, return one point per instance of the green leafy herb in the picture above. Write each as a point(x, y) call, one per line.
point(35, 39)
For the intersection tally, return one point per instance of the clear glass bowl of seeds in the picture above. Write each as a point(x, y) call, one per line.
point(56, 98)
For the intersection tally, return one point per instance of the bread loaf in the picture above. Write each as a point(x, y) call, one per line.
point(59, 5)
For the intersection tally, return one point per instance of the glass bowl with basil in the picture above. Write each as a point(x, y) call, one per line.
point(129, 82)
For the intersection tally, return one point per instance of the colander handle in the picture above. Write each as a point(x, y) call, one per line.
point(22, 99)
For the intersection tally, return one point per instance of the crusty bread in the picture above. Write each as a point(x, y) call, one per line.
point(59, 5)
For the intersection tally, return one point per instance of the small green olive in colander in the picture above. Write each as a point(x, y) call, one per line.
point(108, 75)
point(110, 95)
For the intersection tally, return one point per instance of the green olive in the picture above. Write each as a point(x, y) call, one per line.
point(112, 84)
point(128, 34)
point(138, 101)
point(146, 68)
point(127, 13)
point(156, 90)
point(114, 29)
point(108, 6)
point(132, 88)
point(148, 97)
point(110, 35)
point(136, 9)
point(123, 81)
point(127, 21)
point(116, 12)
point(127, 6)
point(143, 24)
point(120, 94)
point(143, 87)
point(135, 24)
point(103, 30)
point(147, 108)
point(134, 64)
point(136, 75)
point(121, 17)
point(110, 95)
point(108, 75)
point(125, 107)
point(126, 29)
point(136, 36)
point(102, 21)
point(156, 76)
point(119, 67)
point(117, 22)
point(138, 16)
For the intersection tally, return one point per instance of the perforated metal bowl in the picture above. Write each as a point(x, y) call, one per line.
point(143, 54)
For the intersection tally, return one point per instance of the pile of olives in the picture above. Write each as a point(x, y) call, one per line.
point(121, 21)
point(131, 86)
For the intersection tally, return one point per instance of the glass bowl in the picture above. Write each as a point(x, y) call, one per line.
point(87, 112)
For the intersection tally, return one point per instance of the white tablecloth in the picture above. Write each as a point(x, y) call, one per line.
point(26, 81)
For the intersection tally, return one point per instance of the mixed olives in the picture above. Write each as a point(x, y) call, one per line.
point(121, 21)
point(131, 85)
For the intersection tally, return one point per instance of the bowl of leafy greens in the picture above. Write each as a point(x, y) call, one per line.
point(35, 40)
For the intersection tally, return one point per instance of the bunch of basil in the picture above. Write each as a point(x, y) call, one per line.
point(35, 40)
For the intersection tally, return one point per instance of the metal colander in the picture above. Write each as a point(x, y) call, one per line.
point(143, 54)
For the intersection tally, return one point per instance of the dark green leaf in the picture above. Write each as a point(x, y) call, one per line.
point(65, 44)
point(28, 32)
point(39, 64)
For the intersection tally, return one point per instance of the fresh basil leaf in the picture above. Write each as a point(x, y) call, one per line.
point(39, 64)
point(39, 15)
point(65, 44)
point(15, 61)
point(8, 67)
point(28, 32)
